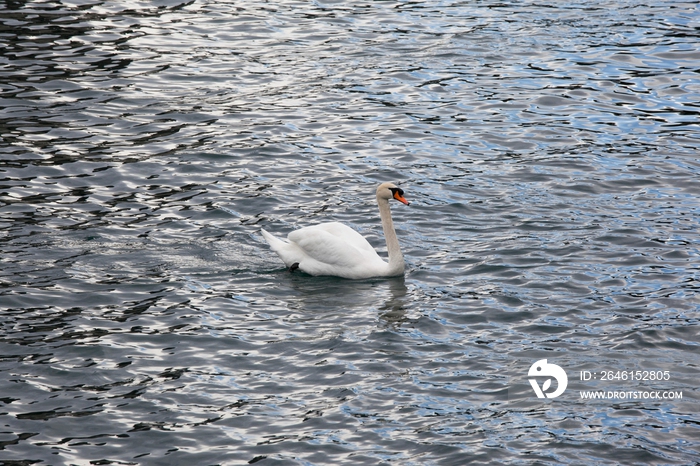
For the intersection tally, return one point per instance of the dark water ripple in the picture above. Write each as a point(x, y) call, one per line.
point(550, 151)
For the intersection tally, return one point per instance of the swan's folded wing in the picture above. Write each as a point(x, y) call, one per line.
point(331, 245)
point(348, 235)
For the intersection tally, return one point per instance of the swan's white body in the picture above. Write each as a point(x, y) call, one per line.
point(338, 250)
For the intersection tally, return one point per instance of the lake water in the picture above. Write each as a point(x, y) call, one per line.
point(550, 154)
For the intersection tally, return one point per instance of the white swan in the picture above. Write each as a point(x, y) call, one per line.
point(338, 250)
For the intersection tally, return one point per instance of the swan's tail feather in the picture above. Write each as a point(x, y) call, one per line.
point(268, 237)
point(273, 241)
point(281, 248)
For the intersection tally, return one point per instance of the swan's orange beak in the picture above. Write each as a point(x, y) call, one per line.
point(400, 198)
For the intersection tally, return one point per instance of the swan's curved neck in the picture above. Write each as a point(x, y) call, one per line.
point(396, 263)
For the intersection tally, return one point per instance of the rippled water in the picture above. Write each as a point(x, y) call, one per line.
point(550, 151)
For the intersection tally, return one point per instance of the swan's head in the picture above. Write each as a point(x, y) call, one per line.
point(390, 190)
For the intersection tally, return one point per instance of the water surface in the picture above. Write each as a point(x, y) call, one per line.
point(549, 152)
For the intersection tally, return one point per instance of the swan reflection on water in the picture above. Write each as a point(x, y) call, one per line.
point(317, 295)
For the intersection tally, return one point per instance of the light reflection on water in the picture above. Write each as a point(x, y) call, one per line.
point(550, 154)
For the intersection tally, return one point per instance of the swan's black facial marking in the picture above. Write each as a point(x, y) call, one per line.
point(398, 195)
point(396, 190)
